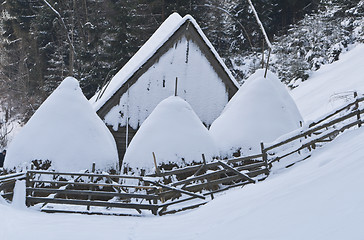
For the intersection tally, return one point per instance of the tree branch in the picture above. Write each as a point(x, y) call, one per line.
point(64, 27)
point(260, 25)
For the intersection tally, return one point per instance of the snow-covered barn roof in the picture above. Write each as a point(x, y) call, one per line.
point(138, 62)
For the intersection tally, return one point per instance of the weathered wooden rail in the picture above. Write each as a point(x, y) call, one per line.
point(180, 189)
point(7, 184)
point(87, 189)
point(323, 130)
point(51, 189)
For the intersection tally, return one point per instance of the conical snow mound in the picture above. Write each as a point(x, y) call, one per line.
point(261, 111)
point(66, 131)
point(174, 133)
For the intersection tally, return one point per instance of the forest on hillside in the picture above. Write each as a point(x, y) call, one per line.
point(43, 41)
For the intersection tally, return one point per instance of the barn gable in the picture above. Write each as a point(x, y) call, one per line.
point(178, 49)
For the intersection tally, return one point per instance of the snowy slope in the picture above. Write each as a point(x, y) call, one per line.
point(331, 85)
point(65, 130)
point(320, 198)
point(174, 133)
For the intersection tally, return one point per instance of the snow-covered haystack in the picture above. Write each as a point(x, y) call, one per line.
point(66, 131)
point(174, 133)
point(262, 110)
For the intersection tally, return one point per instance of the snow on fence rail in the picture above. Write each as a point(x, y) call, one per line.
point(323, 130)
point(185, 188)
point(89, 190)
point(158, 194)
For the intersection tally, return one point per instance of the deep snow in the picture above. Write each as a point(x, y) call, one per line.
point(331, 85)
point(174, 133)
point(261, 111)
point(319, 198)
point(65, 130)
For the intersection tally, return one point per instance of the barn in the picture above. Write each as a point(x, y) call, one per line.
point(177, 59)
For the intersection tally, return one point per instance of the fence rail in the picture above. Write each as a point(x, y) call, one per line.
point(323, 130)
point(7, 184)
point(141, 193)
point(171, 191)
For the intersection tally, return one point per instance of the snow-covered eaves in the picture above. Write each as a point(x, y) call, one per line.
point(155, 42)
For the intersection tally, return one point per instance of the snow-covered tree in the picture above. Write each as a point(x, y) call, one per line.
point(318, 39)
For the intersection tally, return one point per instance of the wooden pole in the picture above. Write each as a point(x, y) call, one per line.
point(175, 87)
point(266, 66)
point(91, 180)
point(127, 122)
point(263, 55)
point(157, 171)
point(264, 155)
point(27, 184)
point(260, 24)
point(208, 181)
point(357, 108)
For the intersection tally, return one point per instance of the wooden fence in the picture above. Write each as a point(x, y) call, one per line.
point(89, 190)
point(52, 189)
point(167, 192)
point(7, 184)
point(316, 133)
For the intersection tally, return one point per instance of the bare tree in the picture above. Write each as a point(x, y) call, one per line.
point(72, 52)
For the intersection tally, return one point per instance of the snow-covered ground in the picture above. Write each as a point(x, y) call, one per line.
point(330, 86)
point(320, 198)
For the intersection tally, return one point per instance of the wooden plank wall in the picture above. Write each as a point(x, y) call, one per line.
point(120, 139)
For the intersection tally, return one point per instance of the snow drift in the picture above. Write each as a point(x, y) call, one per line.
point(65, 130)
point(174, 133)
point(262, 110)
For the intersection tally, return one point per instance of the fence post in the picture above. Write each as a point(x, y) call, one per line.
point(27, 184)
point(264, 155)
point(91, 188)
point(157, 171)
point(176, 87)
point(208, 181)
point(158, 191)
point(357, 108)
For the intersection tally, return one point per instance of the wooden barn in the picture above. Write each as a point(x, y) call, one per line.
point(177, 50)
